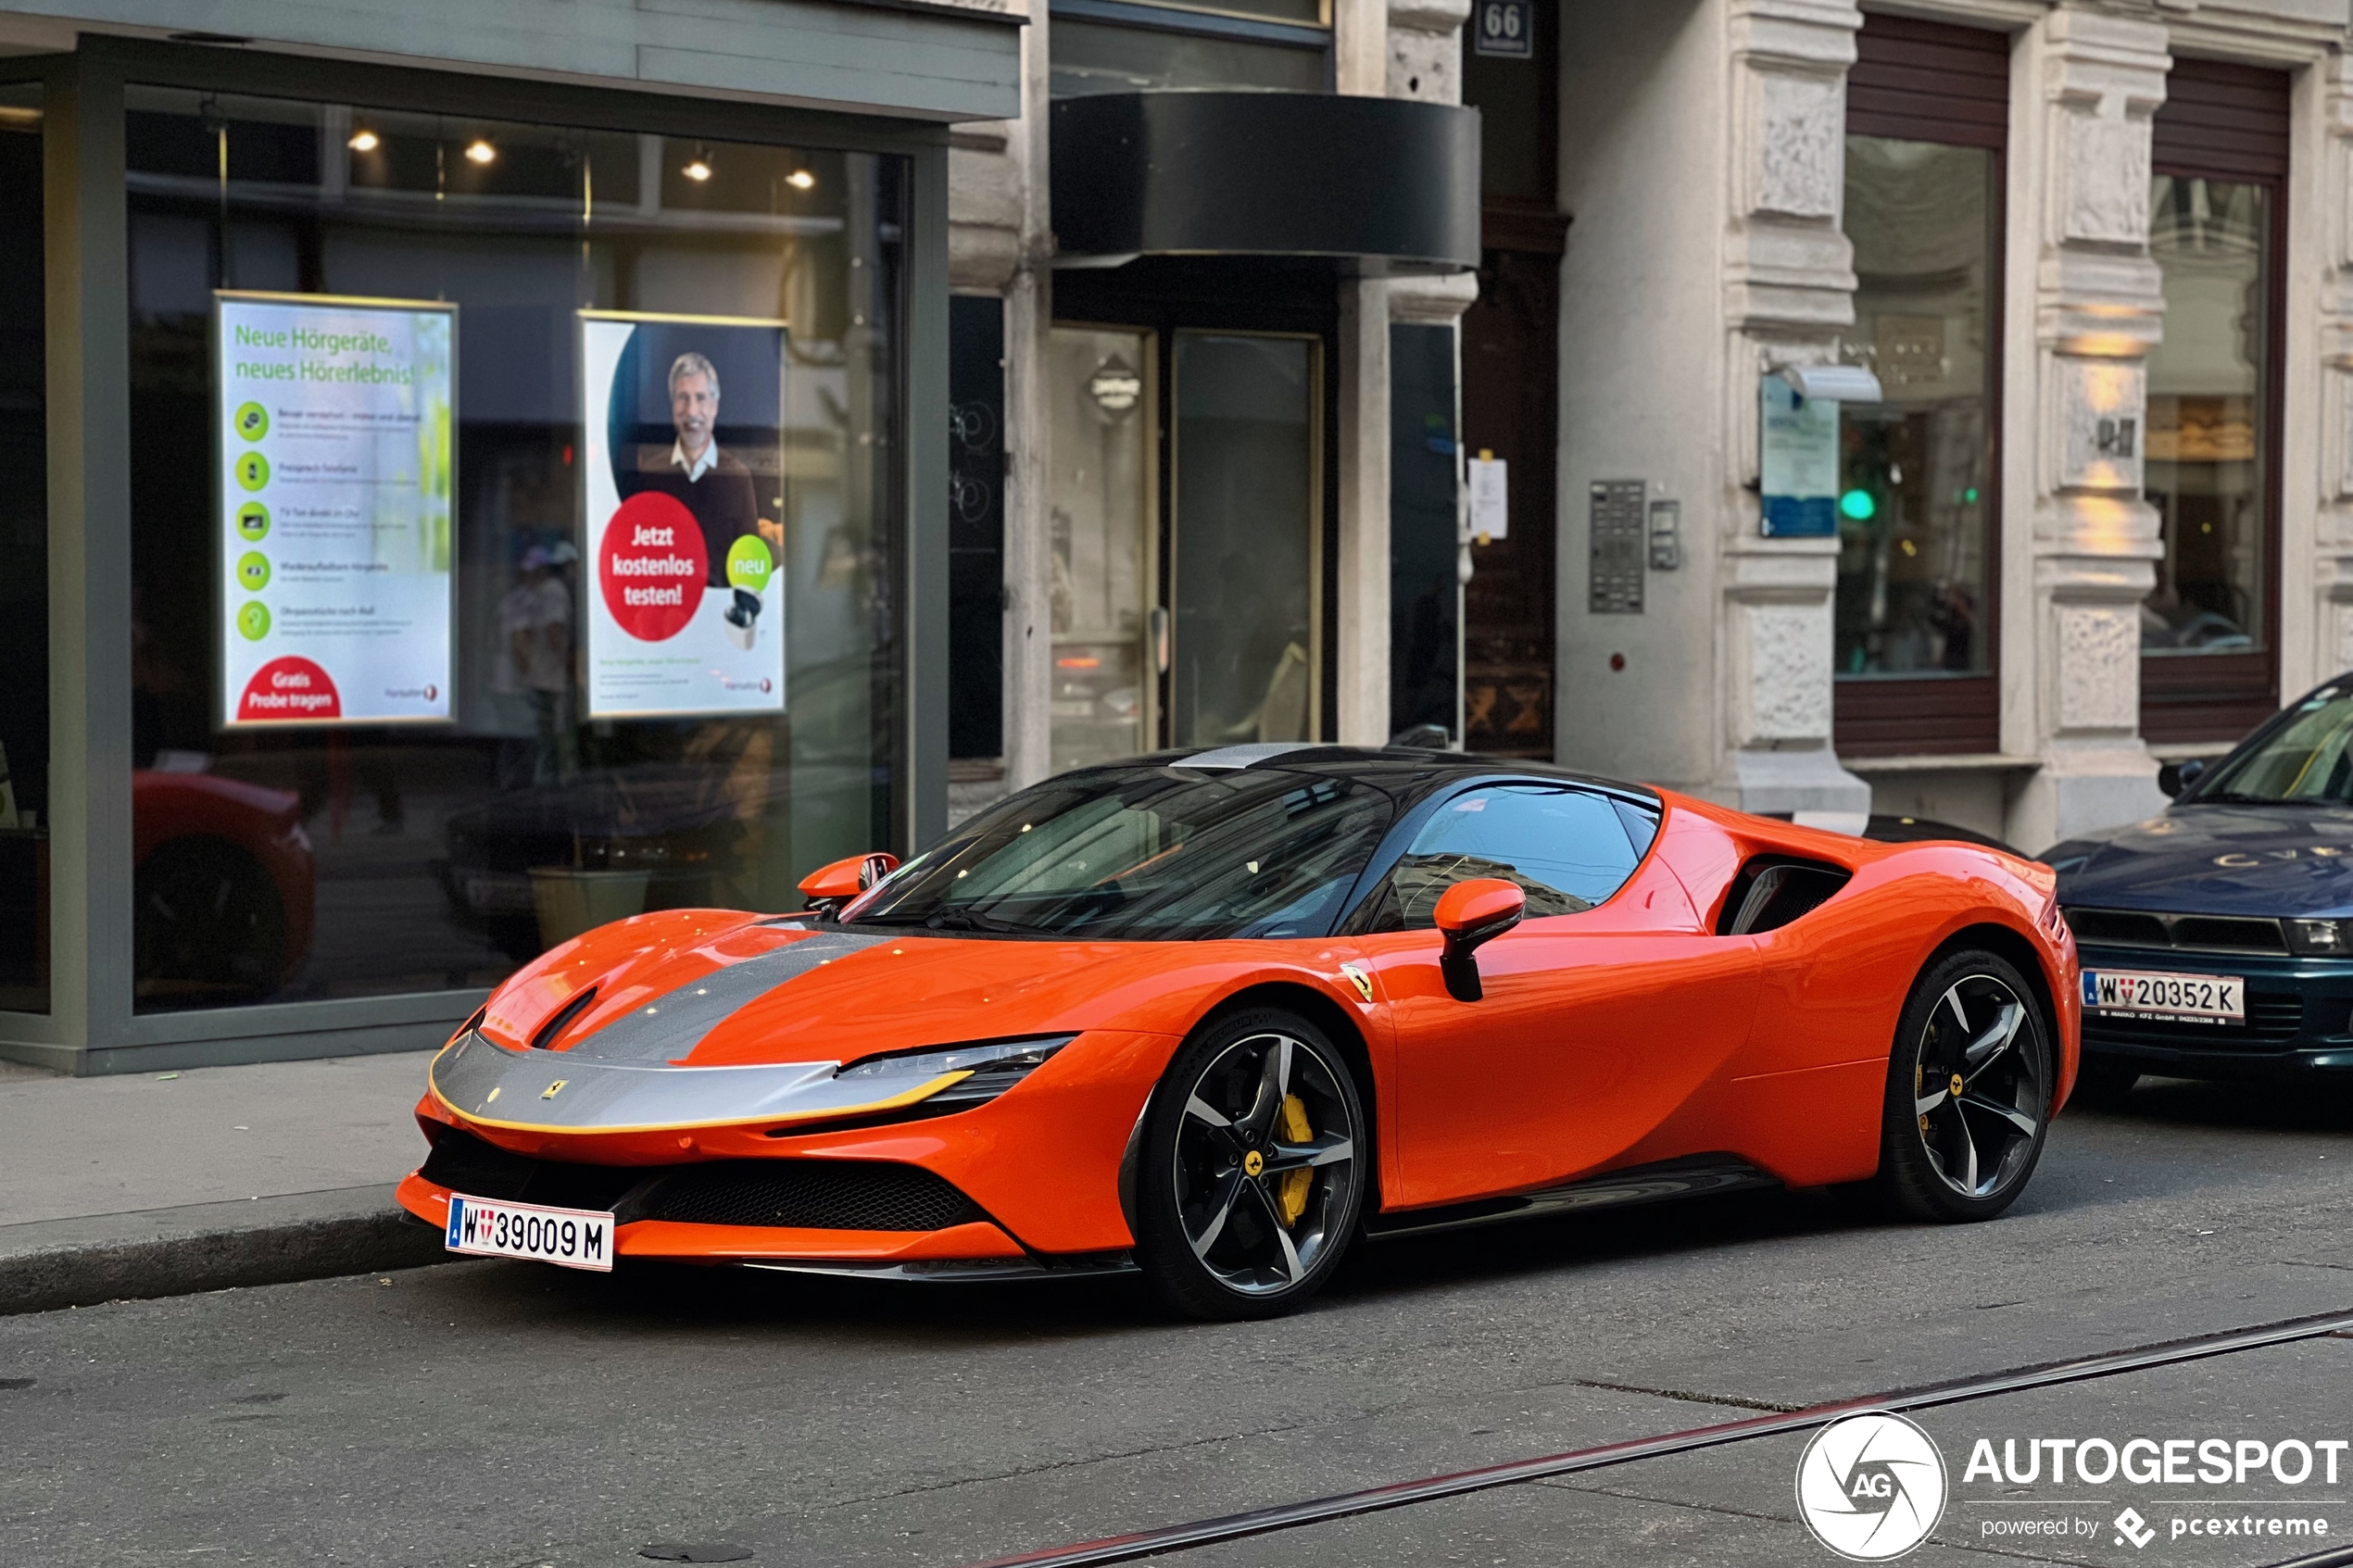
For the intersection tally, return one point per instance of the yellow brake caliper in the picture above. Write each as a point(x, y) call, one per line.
point(1291, 1192)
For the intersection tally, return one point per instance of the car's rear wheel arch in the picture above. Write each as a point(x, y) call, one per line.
point(2006, 943)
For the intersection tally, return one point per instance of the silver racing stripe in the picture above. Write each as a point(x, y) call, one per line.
point(628, 1075)
point(670, 1027)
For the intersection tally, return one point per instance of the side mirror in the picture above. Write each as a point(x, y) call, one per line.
point(830, 887)
point(2176, 777)
point(1470, 913)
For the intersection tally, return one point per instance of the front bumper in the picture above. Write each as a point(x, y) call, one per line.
point(2299, 1018)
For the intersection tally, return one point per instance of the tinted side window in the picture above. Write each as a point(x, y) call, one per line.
point(1568, 849)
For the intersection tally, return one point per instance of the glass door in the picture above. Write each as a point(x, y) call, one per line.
point(1102, 536)
point(1245, 547)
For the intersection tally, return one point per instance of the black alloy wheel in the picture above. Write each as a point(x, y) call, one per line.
point(1969, 1092)
point(1251, 1173)
point(207, 925)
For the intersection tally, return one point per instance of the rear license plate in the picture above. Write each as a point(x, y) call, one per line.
point(2188, 999)
point(576, 1239)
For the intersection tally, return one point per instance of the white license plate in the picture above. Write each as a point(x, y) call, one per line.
point(2194, 998)
point(577, 1239)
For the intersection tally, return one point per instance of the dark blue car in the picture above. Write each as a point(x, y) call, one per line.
point(2217, 939)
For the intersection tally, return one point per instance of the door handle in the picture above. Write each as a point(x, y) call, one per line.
point(1159, 635)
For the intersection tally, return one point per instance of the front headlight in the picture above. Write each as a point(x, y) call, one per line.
point(990, 1067)
point(2321, 938)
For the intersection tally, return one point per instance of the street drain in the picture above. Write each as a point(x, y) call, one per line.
point(708, 1551)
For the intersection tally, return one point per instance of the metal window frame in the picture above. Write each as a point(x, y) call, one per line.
point(91, 1027)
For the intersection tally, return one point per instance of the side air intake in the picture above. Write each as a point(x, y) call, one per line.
point(1773, 890)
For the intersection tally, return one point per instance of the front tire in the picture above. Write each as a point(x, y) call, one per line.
point(1969, 1092)
point(1252, 1168)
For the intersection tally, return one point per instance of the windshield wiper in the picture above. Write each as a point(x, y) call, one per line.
point(958, 918)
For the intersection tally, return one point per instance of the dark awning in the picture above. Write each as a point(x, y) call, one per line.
point(1386, 183)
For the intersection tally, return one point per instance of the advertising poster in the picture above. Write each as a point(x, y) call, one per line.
point(684, 420)
point(333, 473)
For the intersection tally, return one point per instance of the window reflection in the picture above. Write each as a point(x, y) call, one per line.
point(1915, 509)
point(2206, 415)
point(367, 860)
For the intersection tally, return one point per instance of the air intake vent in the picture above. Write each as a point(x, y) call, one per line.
point(825, 1195)
point(1773, 890)
point(558, 1020)
point(2200, 934)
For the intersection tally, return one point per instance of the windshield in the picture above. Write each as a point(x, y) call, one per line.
point(2304, 759)
point(1146, 854)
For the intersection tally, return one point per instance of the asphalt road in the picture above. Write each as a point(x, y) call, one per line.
point(500, 1415)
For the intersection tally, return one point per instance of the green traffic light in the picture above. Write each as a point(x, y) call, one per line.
point(1858, 505)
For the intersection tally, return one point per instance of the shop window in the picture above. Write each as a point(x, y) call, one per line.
point(24, 587)
point(976, 527)
point(1425, 588)
point(570, 328)
point(1126, 47)
point(2216, 225)
point(1915, 607)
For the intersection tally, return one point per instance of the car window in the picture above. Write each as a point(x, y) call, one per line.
point(1567, 848)
point(2309, 758)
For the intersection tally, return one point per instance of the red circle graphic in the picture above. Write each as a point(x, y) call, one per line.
point(289, 688)
point(651, 566)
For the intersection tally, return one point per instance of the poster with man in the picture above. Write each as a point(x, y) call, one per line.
point(684, 425)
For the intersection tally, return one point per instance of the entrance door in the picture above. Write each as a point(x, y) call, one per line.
point(1202, 630)
point(1246, 549)
point(1103, 545)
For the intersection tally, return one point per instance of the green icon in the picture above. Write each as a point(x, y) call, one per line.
point(252, 421)
point(253, 470)
point(253, 572)
point(253, 621)
point(1858, 505)
point(253, 521)
point(749, 563)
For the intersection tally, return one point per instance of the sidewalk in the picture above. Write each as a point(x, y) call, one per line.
point(160, 1184)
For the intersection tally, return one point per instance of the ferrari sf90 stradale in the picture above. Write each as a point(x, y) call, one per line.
point(1217, 1016)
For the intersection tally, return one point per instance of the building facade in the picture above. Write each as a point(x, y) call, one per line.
point(471, 472)
point(2094, 257)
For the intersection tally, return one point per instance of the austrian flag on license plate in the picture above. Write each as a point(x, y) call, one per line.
point(2194, 998)
point(577, 1239)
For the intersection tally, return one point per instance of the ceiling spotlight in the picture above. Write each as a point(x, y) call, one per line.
point(364, 141)
point(800, 180)
point(699, 169)
point(481, 151)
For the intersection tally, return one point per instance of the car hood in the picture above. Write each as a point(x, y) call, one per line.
point(2216, 859)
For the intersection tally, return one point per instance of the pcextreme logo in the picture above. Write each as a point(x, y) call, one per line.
point(1870, 1486)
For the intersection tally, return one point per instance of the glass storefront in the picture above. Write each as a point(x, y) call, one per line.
point(24, 587)
point(699, 339)
point(1916, 493)
point(2206, 419)
point(1101, 547)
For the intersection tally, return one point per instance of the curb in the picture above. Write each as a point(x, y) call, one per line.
point(49, 1264)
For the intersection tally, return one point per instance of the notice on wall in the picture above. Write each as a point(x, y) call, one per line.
point(1490, 498)
point(684, 465)
point(334, 483)
point(1798, 462)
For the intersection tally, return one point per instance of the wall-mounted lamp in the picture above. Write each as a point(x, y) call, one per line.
point(1115, 386)
point(364, 141)
point(699, 169)
point(800, 180)
point(480, 151)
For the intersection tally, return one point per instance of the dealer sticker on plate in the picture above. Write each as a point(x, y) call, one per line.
point(2192, 998)
point(577, 1239)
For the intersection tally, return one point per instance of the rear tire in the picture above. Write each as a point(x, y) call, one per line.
point(1969, 1099)
point(2102, 1085)
point(1252, 1168)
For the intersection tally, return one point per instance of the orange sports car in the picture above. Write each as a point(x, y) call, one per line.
point(1215, 1016)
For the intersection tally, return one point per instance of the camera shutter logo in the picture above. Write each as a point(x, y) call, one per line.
point(1871, 1486)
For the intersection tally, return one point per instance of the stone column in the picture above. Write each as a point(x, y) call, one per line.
point(1398, 49)
point(2333, 226)
point(1789, 288)
point(2081, 541)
